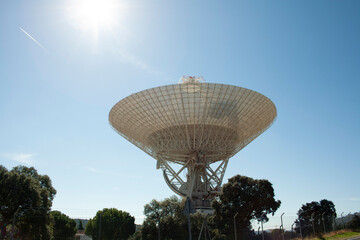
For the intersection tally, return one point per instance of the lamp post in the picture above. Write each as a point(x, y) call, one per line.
point(235, 225)
point(342, 219)
point(282, 226)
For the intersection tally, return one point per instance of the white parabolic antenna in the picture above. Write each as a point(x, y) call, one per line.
point(192, 129)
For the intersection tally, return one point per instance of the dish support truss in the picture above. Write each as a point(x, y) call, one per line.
point(196, 178)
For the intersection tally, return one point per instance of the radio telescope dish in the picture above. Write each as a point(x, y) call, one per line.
point(192, 129)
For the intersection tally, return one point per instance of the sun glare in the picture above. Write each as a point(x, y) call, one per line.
point(93, 15)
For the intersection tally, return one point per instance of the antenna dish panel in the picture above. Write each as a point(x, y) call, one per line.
point(193, 125)
point(171, 122)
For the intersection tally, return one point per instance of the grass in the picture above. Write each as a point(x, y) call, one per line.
point(337, 235)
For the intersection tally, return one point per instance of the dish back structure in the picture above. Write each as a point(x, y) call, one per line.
point(192, 129)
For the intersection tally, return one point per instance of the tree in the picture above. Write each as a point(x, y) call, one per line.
point(64, 227)
point(89, 228)
point(354, 223)
point(167, 214)
point(109, 224)
point(167, 217)
point(136, 236)
point(154, 212)
point(277, 234)
point(26, 199)
point(149, 230)
point(249, 199)
point(314, 215)
point(81, 227)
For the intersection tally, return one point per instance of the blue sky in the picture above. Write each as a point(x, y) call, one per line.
point(59, 80)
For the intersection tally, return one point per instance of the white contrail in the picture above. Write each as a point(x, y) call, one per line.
point(39, 44)
point(132, 59)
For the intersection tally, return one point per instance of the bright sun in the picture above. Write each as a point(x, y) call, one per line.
point(93, 15)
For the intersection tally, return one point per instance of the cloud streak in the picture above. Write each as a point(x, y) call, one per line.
point(131, 59)
point(23, 158)
point(109, 173)
point(34, 40)
point(91, 169)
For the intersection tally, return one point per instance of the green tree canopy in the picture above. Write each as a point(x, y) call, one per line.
point(248, 198)
point(25, 200)
point(64, 227)
point(81, 227)
point(110, 224)
point(322, 212)
point(354, 223)
point(167, 215)
point(245, 196)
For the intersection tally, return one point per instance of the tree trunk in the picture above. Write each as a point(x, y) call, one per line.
point(2, 230)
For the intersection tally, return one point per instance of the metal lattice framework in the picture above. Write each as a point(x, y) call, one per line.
point(195, 125)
